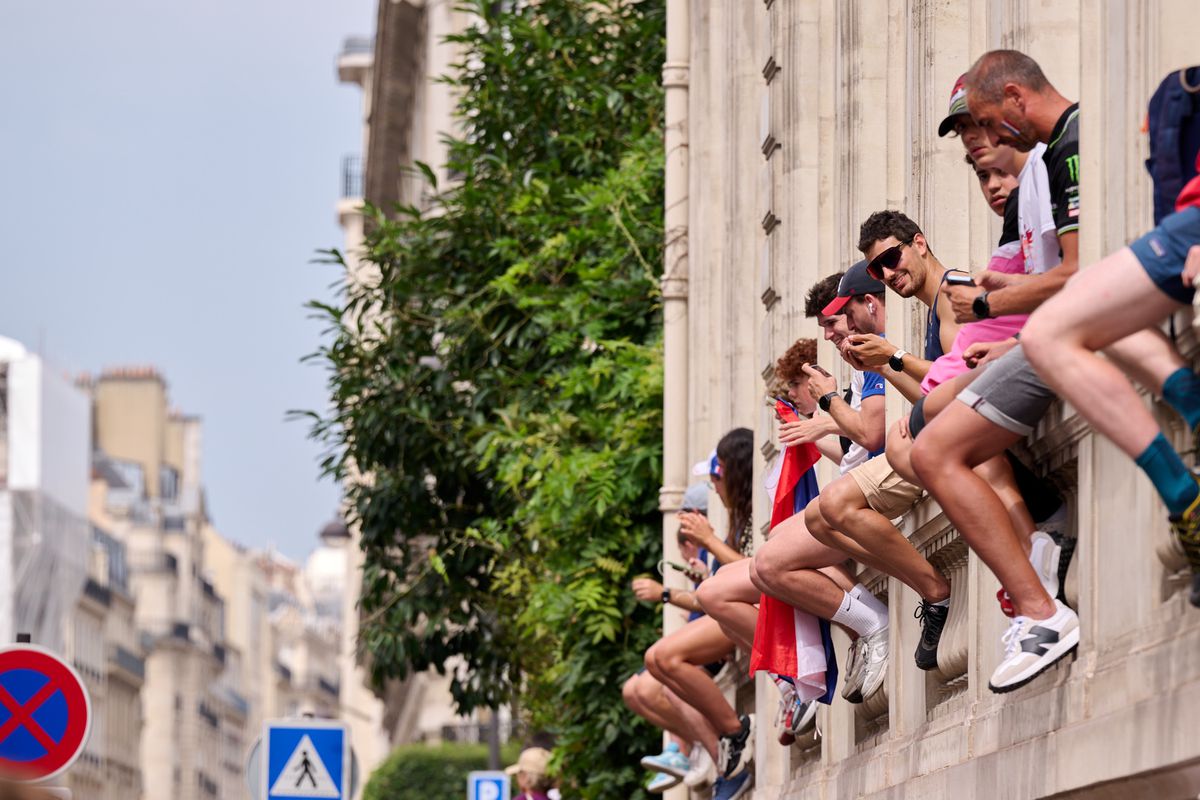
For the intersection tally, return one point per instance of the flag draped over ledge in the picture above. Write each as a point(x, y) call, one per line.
point(789, 642)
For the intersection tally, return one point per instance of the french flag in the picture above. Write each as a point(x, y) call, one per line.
point(788, 642)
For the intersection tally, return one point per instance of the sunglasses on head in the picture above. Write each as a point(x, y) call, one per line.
point(888, 259)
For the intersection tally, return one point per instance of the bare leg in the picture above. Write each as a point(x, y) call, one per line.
point(696, 723)
point(1104, 304)
point(646, 697)
point(845, 507)
point(998, 474)
point(675, 661)
point(731, 598)
point(945, 456)
point(786, 567)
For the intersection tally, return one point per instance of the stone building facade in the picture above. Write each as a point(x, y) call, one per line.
point(788, 123)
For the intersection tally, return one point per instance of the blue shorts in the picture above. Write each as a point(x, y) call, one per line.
point(1163, 250)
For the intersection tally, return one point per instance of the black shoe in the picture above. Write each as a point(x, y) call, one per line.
point(933, 619)
point(737, 750)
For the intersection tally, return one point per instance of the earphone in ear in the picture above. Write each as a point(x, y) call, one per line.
point(871, 307)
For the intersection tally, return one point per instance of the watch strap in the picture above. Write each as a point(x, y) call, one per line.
point(826, 400)
point(666, 596)
point(896, 360)
point(981, 307)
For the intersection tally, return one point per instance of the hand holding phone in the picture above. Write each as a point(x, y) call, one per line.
point(959, 279)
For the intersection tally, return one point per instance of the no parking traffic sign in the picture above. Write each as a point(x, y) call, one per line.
point(45, 713)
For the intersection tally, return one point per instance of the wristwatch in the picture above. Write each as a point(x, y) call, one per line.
point(666, 596)
point(980, 306)
point(896, 361)
point(826, 400)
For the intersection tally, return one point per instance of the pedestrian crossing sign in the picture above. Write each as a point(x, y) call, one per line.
point(306, 758)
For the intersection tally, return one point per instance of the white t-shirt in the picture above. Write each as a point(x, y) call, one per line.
point(857, 454)
point(1035, 219)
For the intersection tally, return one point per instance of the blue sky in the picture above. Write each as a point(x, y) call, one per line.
point(167, 170)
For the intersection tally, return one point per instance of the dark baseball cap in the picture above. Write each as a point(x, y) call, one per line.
point(958, 106)
point(855, 283)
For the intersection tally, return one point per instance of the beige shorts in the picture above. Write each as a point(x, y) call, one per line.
point(886, 492)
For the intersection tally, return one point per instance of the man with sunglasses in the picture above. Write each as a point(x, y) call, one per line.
point(1010, 98)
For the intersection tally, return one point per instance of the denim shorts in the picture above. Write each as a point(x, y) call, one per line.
point(1163, 250)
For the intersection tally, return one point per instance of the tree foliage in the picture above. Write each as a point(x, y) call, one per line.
point(495, 376)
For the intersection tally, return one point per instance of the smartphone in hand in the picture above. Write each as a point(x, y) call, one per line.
point(959, 279)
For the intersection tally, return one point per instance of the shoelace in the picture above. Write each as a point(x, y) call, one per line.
point(931, 623)
point(1012, 636)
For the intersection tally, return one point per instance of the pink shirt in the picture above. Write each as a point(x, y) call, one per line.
point(1005, 258)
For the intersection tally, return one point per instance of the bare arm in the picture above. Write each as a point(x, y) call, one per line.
point(865, 426)
point(1024, 296)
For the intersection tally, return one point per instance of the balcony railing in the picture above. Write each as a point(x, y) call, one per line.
point(352, 176)
point(128, 661)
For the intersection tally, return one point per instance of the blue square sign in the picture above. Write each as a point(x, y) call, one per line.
point(306, 758)
point(487, 786)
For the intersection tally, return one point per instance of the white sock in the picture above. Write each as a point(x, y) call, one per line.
point(861, 593)
point(858, 616)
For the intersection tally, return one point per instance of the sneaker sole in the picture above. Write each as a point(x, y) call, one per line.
point(1057, 653)
point(654, 766)
point(664, 787)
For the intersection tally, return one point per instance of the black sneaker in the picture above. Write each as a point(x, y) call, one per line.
point(736, 750)
point(933, 619)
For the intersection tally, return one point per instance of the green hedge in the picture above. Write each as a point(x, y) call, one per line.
point(431, 772)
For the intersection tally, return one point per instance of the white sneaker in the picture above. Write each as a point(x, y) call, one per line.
point(853, 681)
point(873, 660)
point(703, 770)
point(1031, 646)
point(1044, 554)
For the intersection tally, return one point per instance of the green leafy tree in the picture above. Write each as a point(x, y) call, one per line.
point(496, 385)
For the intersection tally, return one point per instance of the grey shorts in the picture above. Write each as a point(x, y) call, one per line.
point(1010, 393)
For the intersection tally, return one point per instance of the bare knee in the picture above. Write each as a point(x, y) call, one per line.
point(924, 457)
point(836, 504)
point(763, 571)
point(629, 692)
point(661, 661)
point(708, 595)
point(817, 525)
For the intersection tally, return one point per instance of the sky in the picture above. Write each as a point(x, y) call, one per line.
point(168, 170)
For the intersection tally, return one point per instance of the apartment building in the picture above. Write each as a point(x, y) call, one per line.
point(147, 493)
point(787, 124)
point(66, 581)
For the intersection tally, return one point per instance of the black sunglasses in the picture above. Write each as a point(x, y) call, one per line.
point(888, 259)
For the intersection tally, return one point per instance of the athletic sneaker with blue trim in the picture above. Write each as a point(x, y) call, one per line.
point(670, 761)
point(661, 782)
point(733, 788)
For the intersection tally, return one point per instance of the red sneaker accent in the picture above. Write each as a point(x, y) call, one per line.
point(1005, 603)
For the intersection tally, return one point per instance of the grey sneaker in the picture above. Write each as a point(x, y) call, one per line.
point(852, 689)
point(1044, 554)
point(1031, 646)
point(873, 658)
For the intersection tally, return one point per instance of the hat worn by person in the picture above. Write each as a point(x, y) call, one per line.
point(532, 761)
point(709, 466)
point(695, 498)
point(958, 106)
point(855, 283)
